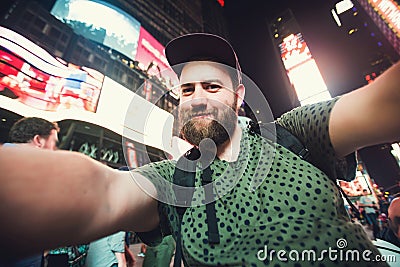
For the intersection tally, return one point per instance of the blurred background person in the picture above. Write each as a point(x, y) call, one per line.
point(129, 257)
point(36, 132)
point(388, 240)
point(160, 255)
point(391, 233)
point(71, 256)
point(108, 251)
point(370, 206)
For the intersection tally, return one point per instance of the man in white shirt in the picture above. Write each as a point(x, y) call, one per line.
point(369, 205)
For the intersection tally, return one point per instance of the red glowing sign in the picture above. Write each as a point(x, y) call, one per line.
point(150, 51)
point(150, 54)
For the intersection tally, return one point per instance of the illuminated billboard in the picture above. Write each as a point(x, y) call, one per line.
point(150, 50)
point(302, 70)
point(33, 83)
point(101, 22)
point(294, 51)
point(151, 57)
point(30, 75)
point(361, 182)
point(355, 187)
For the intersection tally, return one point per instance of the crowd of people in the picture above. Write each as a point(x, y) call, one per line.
point(209, 204)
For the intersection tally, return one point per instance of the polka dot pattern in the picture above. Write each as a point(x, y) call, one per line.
point(296, 208)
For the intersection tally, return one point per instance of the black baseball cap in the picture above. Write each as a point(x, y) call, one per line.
point(195, 46)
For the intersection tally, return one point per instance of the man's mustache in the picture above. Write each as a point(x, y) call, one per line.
point(190, 113)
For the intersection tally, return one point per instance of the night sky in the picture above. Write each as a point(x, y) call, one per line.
point(338, 58)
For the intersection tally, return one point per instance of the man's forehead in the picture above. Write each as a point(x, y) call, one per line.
point(204, 71)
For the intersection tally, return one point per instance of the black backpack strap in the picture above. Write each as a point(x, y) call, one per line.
point(291, 142)
point(184, 175)
point(283, 137)
point(206, 179)
point(178, 250)
point(353, 208)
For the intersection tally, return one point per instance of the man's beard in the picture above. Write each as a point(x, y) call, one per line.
point(219, 127)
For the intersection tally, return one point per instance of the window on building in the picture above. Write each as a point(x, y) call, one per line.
point(54, 33)
point(39, 23)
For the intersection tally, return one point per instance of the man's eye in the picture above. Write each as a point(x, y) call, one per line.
point(212, 87)
point(187, 91)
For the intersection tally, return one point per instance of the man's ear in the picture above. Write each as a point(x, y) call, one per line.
point(38, 141)
point(240, 91)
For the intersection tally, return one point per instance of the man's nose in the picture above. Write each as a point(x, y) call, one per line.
point(199, 96)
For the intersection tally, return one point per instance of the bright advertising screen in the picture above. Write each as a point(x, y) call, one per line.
point(100, 22)
point(355, 187)
point(30, 75)
point(150, 50)
point(150, 55)
point(294, 51)
point(34, 83)
point(302, 70)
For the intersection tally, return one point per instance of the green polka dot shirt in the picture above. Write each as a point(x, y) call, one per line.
point(272, 207)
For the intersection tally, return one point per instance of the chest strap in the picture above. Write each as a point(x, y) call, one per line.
point(206, 181)
point(184, 175)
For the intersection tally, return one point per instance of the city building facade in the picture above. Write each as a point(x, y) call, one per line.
point(52, 32)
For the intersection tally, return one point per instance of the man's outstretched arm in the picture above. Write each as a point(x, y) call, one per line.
point(367, 116)
point(54, 198)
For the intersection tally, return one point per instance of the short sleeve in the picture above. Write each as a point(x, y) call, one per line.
point(310, 124)
point(154, 237)
point(117, 242)
point(160, 174)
